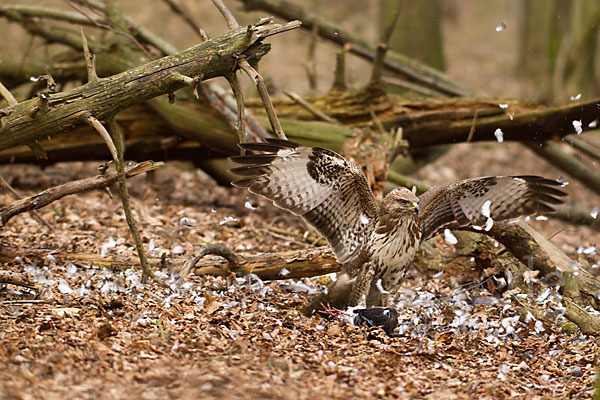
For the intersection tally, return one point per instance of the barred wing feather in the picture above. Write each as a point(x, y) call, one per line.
point(477, 201)
point(319, 185)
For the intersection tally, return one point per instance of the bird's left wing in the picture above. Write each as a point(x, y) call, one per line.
point(325, 189)
point(480, 201)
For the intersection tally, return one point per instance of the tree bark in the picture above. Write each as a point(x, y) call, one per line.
point(30, 121)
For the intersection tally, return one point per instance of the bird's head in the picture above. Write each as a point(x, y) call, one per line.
point(401, 200)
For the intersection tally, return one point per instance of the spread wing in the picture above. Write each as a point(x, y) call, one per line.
point(325, 189)
point(481, 201)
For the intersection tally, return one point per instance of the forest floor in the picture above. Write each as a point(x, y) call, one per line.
point(101, 334)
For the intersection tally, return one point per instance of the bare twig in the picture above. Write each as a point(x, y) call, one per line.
point(110, 140)
point(222, 102)
point(264, 95)
point(310, 65)
point(186, 15)
point(10, 99)
point(90, 59)
point(33, 301)
point(17, 195)
point(38, 151)
point(18, 279)
point(395, 62)
point(472, 130)
point(310, 108)
point(194, 82)
point(229, 18)
point(233, 260)
point(240, 125)
point(52, 194)
point(110, 28)
point(339, 80)
point(382, 48)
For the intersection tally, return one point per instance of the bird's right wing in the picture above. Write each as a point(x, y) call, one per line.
point(480, 201)
point(325, 189)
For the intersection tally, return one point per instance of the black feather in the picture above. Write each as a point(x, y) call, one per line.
point(253, 159)
point(250, 170)
point(387, 318)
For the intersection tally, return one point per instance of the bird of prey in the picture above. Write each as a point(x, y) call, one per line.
point(376, 243)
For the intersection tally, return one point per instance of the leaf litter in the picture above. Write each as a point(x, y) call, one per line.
point(101, 333)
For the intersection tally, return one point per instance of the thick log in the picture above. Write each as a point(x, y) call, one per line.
point(538, 253)
point(35, 119)
point(273, 266)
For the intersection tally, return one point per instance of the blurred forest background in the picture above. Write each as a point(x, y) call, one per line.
point(547, 52)
point(95, 325)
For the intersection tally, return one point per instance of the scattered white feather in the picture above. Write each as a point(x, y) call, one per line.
point(594, 213)
point(577, 125)
point(501, 27)
point(541, 218)
point(284, 153)
point(380, 287)
point(576, 97)
point(539, 327)
point(502, 371)
point(477, 227)
point(488, 224)
point(449, 237)
point(363, 219)
point(593, 124)
point(485, 208)
point(64, 288)
point(71, 270)
point(34, 78)
point(228, 219)
point(503, 106)
point(499, 135)
point(111, 244)
point(249, 206)
point(284, 272)
point(332, 276)
point(178, 250)
point(589, 251)
point(185, 221)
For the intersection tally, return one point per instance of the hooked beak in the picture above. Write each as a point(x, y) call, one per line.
point(414, 207)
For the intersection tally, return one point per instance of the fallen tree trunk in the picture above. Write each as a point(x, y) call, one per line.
point(273, 266)
point(423, 126)
point(538, 253)
point(30, 121)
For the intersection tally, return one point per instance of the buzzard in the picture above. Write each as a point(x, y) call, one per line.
point(376, 243)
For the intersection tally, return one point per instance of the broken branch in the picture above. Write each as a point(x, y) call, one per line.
point(55, 193)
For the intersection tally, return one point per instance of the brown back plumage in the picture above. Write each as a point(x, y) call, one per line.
point(333, 195)
point(317, 184)
point(508, 196)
